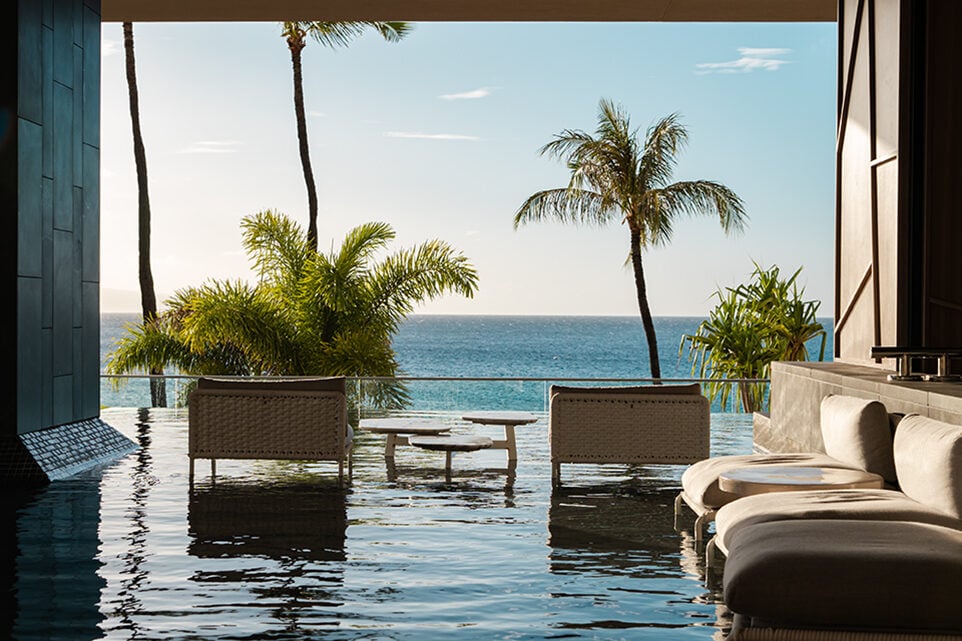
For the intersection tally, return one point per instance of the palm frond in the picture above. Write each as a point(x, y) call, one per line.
point(565, 205)
point(343, 33)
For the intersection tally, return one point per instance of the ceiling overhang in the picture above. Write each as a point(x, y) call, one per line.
point(471, 10)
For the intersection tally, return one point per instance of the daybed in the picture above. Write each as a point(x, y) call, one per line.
point(857, 434)
point(667, 424)
point(853, 564)
point(293, 419)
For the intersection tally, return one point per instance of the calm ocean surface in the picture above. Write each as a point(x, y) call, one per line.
point(543, 347)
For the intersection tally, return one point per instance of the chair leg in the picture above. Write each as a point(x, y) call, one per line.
point(710, 550)
point(701, 523)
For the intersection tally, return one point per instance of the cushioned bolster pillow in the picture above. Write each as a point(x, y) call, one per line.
point(928, 458)
point(858, 432)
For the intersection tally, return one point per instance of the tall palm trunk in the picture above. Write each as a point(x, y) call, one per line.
point(296, 45)
point(148, 299)
point(642, 291)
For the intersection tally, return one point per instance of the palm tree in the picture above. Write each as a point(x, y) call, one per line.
point(331, 35)
point(308, 313)
point(613, 177)
point(148, 298)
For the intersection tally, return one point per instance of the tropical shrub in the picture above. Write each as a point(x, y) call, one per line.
point(752, 325)
point(308, 313)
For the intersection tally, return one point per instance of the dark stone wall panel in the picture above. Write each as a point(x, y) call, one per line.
point(63, 138)
point(46, 95)
point(30, 77)
point(55, 244)
point(64, 21)
point(63, 306)
point(91, 74)
point(30, 359)
point(30, 199)
point(90, 225)
point(46, 230)
point(90, 356)
point(63, 399)
point(78, 117)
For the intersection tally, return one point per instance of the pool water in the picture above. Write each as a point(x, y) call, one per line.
point(276, 550)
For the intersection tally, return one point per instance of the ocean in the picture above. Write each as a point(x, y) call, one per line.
point(513, 347)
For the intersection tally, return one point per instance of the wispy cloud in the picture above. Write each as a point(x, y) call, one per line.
point(752, 59)
point(316, 114)
point(109, 48)
point(212, 147)
point(474, 94)
point(424, 136)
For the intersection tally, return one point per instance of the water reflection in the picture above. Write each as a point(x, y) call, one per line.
point(300, 520)
point(617, 545)
point(298, 528)
point(52, 589)
point(275, 550)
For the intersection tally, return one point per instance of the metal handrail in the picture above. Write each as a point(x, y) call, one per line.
point(524, 379)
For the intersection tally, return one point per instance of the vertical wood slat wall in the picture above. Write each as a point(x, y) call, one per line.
point(898, 229)
point(867, 157)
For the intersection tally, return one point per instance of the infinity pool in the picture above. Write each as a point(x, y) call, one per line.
point(275, 550)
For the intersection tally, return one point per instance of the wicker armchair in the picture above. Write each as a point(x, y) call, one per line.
point(668, 424)
point(293, 419)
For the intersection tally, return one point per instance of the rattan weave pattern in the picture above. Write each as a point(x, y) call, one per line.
point(308, 425)
point(787, 634)
point(624, 428)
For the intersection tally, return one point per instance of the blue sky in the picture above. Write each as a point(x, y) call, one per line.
point(439, 136)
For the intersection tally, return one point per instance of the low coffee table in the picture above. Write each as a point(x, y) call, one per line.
point(399, 430)
point(451, 444)
point(509, 420)
point(761, 479)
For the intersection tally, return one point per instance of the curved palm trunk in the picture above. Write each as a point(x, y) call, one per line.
point(296, 46)
point(148, 299)
point(642, 291)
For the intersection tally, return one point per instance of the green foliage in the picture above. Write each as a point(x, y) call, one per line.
point(308, 314)
point(752, 325)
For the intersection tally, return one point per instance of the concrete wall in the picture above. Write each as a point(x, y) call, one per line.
point(798, 389)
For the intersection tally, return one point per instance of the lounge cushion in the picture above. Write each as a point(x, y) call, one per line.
point(858, 432)
point(856, 504)
point(928, 457)
point(847, 574)
point(700, 480)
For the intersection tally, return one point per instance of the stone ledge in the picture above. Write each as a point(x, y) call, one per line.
point(798, 388)
point(66, 450)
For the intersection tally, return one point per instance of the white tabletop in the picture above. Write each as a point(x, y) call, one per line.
point(762, 479)
point(500, 418)
point(403, 426)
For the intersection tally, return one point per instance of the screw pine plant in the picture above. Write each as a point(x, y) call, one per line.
point(752, 325)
